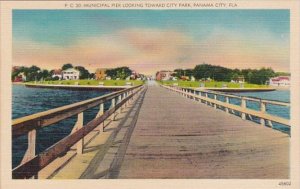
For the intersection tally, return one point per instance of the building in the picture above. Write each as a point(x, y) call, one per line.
point(239, 79)
point(280, 81)
point(134, 75)
point(164, 75)
point(100, 74)
point(20, 77)
point(57, 73)
point(70, 74)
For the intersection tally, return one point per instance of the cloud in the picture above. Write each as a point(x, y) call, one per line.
point(150, 49)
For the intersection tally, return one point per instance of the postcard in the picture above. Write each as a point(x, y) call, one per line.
point(150, 94)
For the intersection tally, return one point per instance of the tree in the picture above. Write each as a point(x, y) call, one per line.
point(202, 71)
point(55, 78)
point(120, 72)
point(282, 74)
point(260, 76)
point(43, 75)
point(92, 76)
point(84, 73)
point(67, 66)
point(32, 73)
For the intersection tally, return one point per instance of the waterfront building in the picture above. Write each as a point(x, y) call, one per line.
point(280, 81)
point(70, 73)
point(57, 73)
point(134, 75)
point(239, 79)
point(21, 77)
point(185, 78)
point(164, 75)
point(100, 74)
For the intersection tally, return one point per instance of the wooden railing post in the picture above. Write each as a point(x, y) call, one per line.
point(262, 110)
point(243, 105)
point(78, 125)
point(215, 98)
point(113, 103)
point(227, 101)
point(101, 112)
point(30, 152)
point(206, 96)
point(124, 97)
point(127, 94)
point(131, 92)
point(119, 101)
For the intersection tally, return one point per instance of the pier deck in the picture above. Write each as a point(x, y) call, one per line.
point(176, 137)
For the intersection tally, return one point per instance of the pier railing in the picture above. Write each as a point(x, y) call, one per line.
point(32, 163)
point(210, 98)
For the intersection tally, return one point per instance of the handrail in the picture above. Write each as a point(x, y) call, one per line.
point(25, 124)
point(255, 99)
point(32, 163)
point(262, 114)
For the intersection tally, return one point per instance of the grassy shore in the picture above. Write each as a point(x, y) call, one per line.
point(212, 84)
point(90, 82)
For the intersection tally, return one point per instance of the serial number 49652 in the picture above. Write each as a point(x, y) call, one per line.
point(285, 183)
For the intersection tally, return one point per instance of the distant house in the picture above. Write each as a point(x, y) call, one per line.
point(20, 77)
point(280, 81)
point(100, 74)
point(57, 73)
point(70, 74)
point(164, 75)
point(185, 78)
point(239, 79)
point(134, 75)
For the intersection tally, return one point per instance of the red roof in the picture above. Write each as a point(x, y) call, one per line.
point(58, 71)
point(280, 78)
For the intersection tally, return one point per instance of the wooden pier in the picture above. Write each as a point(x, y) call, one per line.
point(176, 137)
point(163, 134)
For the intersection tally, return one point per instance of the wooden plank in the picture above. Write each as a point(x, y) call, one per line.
point(178, 138)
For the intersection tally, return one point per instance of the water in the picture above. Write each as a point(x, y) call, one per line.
point(280, 111)
point(27, 101)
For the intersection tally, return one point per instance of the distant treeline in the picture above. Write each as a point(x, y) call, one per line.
point(34, 73)
point(219, 73)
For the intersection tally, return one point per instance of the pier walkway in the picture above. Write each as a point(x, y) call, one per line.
point(176, 137)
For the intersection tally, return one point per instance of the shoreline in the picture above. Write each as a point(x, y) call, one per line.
point(78, 87)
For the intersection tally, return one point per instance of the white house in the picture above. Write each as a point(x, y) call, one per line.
point(57, 73)
point(70, 74)
point(280, 81)
point(164, 75)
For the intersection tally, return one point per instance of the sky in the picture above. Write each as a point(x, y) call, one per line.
point(152, 40)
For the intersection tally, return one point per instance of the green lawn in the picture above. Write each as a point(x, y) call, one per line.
point(91, 82)
point(212, 84)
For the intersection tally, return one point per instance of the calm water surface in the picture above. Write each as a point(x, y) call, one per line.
point(280, 111)
point(27, 101)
